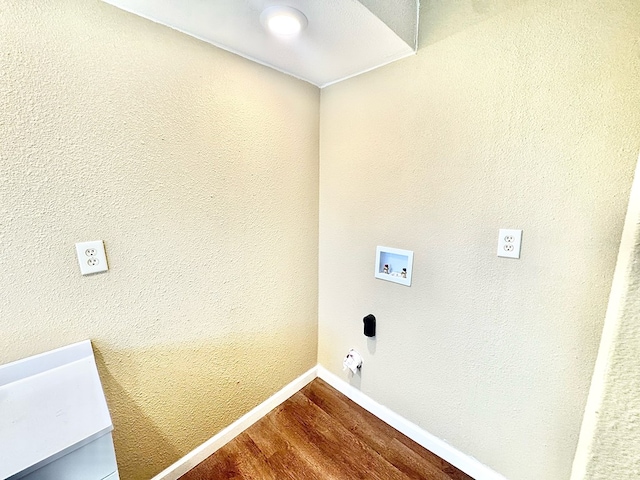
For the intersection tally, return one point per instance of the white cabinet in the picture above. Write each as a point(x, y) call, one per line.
point(54, 420)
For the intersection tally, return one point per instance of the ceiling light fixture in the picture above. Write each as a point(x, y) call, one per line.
point(286, 21)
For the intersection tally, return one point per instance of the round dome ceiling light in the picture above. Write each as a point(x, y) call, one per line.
point(286, 21)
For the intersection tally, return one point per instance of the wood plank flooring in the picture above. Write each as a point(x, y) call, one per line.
point(319, 434)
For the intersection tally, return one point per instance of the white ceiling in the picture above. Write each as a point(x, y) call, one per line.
point(344, 37)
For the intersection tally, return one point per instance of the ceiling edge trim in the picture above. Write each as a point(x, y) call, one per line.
point(417, 39)
point(393, 58)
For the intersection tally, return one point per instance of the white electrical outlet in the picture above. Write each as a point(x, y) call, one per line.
point(509, 242)
point(91, 257)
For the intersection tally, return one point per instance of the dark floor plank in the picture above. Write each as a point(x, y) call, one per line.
point(315, 432)
point(224, 464)
point(319, 434)
point(406, 455)
point(253, 464)
point(280, 455)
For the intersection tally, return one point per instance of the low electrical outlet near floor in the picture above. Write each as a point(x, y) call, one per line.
point(509, 242)
point(91, 257)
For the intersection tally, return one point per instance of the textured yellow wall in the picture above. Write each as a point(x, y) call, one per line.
point(199, 170)
point(610, 436)
point(512, 114)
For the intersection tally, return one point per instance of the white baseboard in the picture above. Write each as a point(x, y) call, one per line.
point(196, 456)
point(463, 462)
point(467, 464)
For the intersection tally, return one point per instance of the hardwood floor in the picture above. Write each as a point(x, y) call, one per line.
point(319, 434)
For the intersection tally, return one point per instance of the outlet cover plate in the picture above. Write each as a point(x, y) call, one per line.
point(91, 257)
point(509, 243)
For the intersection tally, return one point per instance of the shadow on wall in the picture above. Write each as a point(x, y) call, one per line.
point(167, 400)
point(137, 439)
point(440, 19)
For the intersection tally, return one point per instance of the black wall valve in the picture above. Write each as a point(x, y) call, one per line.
point(369, 325)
